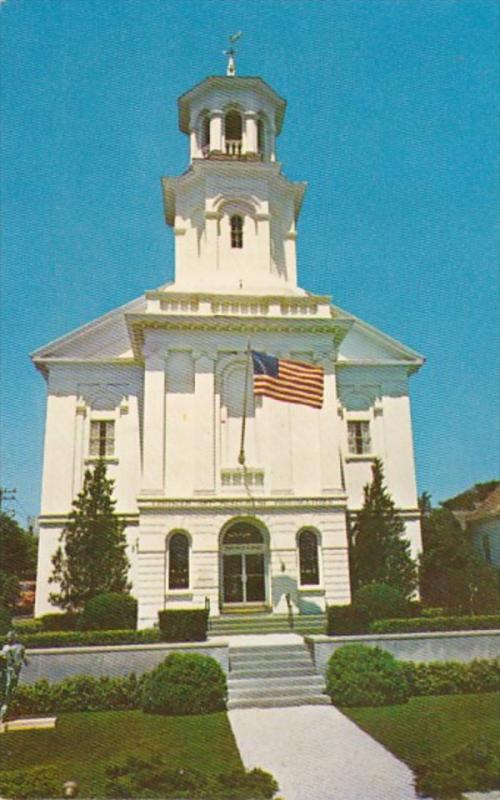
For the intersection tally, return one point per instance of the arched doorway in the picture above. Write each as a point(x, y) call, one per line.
point(244, 566)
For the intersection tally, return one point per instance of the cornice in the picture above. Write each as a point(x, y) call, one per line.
point(59, 520)
point(222, 504)
point(299, 299)
point(138, 323)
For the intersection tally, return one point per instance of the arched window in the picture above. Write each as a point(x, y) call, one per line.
point(205, 133)
point(178, 562)
point(260, 138)
point(233, 132)
point(308, 558)
point(236, 223)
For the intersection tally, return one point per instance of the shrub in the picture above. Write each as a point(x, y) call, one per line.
point(68, 621)
point(379, 601)
point(30, 783)
point(365, 676)
point(110, 611)
point(183, 625)
point(425, 624)
point(345, 621)
point(77, 693)
point(474, 768)
point(89, 638)
point(185, 683)
point(454, 677)
point(154, 777)
point(28, 626)
point(5, 620)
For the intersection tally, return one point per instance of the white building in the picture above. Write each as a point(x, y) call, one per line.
point(156, 389)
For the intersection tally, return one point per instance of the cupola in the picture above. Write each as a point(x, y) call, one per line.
point(232, 118)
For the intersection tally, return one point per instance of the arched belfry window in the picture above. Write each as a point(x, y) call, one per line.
point(233, 128)
point(261, 143)
point(178, 561)
point(236, 223)
point(308, 558)
point(205, 133)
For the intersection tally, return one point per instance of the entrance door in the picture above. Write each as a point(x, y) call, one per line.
point(244, 578)
point(243, 565)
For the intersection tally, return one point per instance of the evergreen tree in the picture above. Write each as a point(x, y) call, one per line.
point(379, 551)
point(452, 575)
point(91, 558)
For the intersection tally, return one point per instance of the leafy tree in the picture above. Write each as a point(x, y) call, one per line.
point(452, 574)
point(379, 551)
point(17, 559)
point(91, 558)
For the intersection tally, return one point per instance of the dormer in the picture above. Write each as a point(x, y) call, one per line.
point(232, 118)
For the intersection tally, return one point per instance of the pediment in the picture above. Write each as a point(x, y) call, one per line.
point(365, 344)
point(104, 339)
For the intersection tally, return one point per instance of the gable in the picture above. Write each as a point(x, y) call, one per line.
point(365, 344)
point(103, 339)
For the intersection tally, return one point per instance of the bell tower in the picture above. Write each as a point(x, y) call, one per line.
point(233, 212)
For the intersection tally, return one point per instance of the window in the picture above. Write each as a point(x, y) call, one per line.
point(358, 433)
point(308, 558)
point(178, 562)
point(233, 128)
point(236, 223)
point(260, 137)
point(486, 548)
point(102, 437)
point(205, 133)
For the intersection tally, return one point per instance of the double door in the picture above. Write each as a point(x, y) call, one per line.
point(244, 577)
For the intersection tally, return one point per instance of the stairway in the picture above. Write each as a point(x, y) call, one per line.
point(273, 676)
point(235, 624)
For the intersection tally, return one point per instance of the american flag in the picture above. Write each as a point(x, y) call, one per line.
point(291, 381)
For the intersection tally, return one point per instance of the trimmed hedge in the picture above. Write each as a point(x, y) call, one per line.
point(77, 693)
point(453, 677)
point(24, 627)
point(154, 777)
point(183, 625)
point(184, 683)
point(366, 676)
point(427, 624)
point(345, 621)
point(68, 621)
point(89, 638)
point(110, 611)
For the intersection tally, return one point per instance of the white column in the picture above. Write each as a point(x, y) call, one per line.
point(250, 132)
point(212, 239)
point(216, 134)
point(193, 145)
point(79, 454)
point(331, 480)
point(204, 479)
point(153, 457)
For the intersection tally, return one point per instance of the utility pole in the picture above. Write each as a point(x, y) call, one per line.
point(7, 496)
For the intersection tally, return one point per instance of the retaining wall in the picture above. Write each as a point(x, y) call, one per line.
point(56, 663)
point(431, 646)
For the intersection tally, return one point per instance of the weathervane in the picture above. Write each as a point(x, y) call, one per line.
point(231, 65)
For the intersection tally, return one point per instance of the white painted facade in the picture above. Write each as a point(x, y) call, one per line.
point(167, 373)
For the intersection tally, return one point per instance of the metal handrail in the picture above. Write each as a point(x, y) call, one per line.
point(290, 610)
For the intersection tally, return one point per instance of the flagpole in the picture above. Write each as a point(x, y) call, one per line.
point(241, 457)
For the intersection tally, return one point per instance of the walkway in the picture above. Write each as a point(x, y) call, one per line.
point(316, 753)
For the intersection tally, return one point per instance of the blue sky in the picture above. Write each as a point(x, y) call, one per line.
point(391, 118)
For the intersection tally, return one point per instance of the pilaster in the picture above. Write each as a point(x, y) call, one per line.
point(153, 458)
point(204, 478)
point(331, 479)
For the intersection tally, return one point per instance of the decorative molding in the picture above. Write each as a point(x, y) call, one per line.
point(101, 396)
point(278, 503)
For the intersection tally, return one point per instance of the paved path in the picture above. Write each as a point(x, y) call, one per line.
point(316, 753)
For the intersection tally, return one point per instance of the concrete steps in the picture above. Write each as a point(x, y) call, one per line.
point(236, 624)
point(273, 677)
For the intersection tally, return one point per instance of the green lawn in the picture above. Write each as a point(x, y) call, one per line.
point(82, 744)
point(429, 727)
